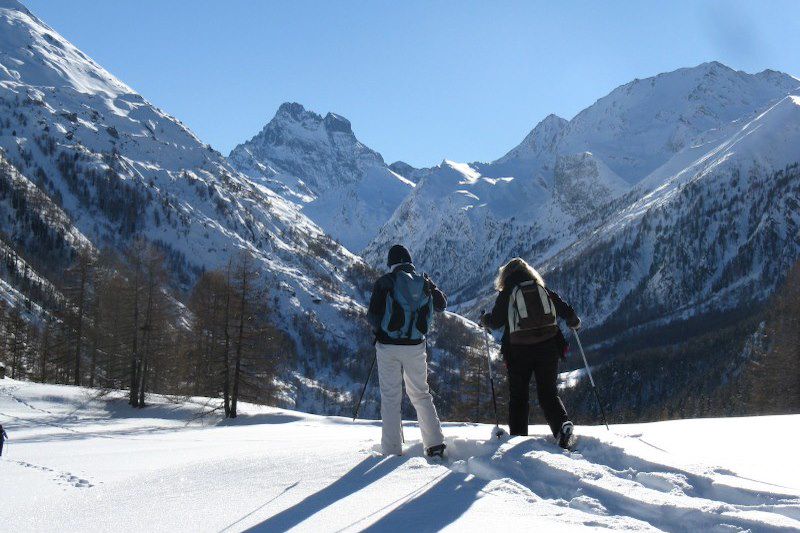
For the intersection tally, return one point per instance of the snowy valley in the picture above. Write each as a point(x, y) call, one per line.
point(183, 334)
point(666, 212)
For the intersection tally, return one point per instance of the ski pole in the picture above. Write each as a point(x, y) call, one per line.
point(364, 388)
point(491, 381)
point(591, 380)
point(403, 381)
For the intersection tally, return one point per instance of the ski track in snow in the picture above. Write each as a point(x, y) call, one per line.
point(100, 465)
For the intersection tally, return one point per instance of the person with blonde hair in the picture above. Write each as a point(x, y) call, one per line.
point(532, 345)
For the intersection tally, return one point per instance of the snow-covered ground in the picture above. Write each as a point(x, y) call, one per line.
point(78, 460)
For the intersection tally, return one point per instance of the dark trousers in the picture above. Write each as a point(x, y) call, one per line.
point(1, 447)
point(541, 362)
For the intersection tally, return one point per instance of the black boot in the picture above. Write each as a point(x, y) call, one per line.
point(436, 451)
point(566, 437)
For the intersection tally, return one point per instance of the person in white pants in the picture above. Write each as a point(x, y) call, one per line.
point(403, 356)
point(396, 363)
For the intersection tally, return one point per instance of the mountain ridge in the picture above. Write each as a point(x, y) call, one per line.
point(562, 222)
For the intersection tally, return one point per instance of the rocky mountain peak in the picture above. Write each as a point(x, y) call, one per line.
point(292, 111)
point(337, 123)
point(342, 184)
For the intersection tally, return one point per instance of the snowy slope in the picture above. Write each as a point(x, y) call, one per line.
point(32, 225)
point(640, 125)
point(714, 228)
point(317, 161)
point(465, 219)
point(456, 223)
point(112, 166)
point(100, 465)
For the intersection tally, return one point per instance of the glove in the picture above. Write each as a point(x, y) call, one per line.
point(430, 286)
point(575, 326)
point(483, 321)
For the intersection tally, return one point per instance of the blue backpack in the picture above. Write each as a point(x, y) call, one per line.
point(409, 308)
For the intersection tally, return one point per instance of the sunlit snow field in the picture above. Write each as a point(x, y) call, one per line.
point(77, 460)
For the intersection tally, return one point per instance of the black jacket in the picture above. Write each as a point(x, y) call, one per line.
point(498, 318)
point(377, 303)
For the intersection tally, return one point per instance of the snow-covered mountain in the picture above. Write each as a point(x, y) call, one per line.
point(317, 161)
point(85, 160)
point(405, 170)
point(670, 198)
point(562, 196)
point(642, 124)
point(461, 220)
point(714, 228)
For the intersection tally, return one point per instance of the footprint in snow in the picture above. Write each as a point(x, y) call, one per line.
point(664, 481)
point(75, 481)
point(62, 478)
point(588, 504)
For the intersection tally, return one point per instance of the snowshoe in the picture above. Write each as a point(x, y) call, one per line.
point(566, 437)
point(436, 451)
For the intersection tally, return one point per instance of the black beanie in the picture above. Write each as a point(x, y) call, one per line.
point(398, 254)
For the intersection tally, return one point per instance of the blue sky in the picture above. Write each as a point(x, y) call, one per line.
point(420, 81)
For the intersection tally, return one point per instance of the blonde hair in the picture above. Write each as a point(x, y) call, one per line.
point(516, 265)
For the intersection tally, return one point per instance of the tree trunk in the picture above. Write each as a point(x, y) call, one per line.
point(147, 328)
point(226, 387)
point(84, 273)
point(240, 338)
point(143, 382)
point(134, 397)
point(93, 365)
point(43, 356)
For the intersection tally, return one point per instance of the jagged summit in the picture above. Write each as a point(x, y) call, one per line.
point(294, 112)
point(552, 118)
point(317, 161)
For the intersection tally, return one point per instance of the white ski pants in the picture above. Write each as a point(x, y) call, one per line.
point(396, 363)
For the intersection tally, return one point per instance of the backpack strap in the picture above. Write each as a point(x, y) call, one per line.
point(547, 303)
point(513, 309)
